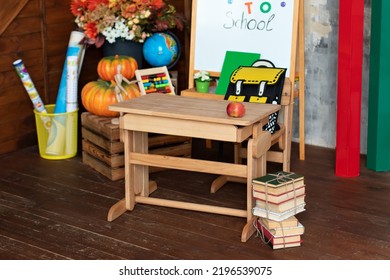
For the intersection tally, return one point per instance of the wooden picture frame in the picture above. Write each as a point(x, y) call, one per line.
point(154, 80)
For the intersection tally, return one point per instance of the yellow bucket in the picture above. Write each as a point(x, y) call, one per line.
point(57, 133)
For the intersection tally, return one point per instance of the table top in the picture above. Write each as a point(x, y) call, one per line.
point(190, 108)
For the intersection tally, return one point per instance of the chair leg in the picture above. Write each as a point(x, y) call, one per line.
point(237, 152)
point(281, 143)
point(286, 161)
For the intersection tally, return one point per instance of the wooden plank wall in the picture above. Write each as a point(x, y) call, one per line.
point(21, 39)
point(59, 24)
point(39, 35)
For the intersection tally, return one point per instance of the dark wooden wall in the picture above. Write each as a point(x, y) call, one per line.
point(37, 31)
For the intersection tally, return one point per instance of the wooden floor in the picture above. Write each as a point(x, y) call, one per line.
point(57, 210)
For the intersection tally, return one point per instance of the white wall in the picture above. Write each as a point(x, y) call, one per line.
point(321, 46)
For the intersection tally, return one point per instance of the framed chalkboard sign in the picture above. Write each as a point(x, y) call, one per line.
point(269, 28)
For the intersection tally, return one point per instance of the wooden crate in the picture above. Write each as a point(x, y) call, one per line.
point(103, 151)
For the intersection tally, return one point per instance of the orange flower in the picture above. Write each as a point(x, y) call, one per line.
point(77, 6)
point(157, 4)
point(94, 3)
point(91, 30)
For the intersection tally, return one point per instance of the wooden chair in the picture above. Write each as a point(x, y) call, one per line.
point(282, 138)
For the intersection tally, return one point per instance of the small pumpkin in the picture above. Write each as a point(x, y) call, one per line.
point(108, 66)
point(96, 96)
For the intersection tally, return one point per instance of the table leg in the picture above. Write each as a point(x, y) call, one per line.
point(116, 210)
point(119, 208)
point(131, 189)
point(140, 177)
point(136, 176)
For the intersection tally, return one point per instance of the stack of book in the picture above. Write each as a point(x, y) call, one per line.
point(284, 234)
point(279, 197)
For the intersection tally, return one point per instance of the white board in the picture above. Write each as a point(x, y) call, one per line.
point(257, 26)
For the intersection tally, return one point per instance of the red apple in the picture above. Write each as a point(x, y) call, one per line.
point(235, 109)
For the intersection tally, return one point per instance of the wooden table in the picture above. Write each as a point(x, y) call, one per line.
point(197, 118)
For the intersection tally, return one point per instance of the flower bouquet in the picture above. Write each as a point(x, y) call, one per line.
point(133, 20)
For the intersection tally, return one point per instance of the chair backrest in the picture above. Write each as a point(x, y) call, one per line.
point(287, 94)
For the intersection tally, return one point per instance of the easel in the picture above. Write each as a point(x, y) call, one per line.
point(301, 76)
point(297, 70)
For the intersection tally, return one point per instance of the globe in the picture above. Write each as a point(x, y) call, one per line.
point(161, 49)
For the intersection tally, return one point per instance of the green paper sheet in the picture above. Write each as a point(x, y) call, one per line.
point(233, 60)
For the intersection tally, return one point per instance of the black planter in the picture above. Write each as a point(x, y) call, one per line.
point(124, 47)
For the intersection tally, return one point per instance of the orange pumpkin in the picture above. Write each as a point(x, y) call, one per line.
point(107, 67)
point(96, 96)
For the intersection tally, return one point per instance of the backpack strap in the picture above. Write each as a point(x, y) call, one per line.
point(238, 87)
point(262, 87)
point(263, 63)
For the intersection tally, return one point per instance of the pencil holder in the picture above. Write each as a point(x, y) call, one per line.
point(57, 133)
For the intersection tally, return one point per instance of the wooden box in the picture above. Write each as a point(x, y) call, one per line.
point(103, 151)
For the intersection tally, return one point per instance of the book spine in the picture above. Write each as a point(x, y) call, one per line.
point(287, 245)
point(296, 183)
point(280, 208)
point(267, 236)
point(289, 222)
point(260, 212)
point(278, 195)
point(279, 179)
point(290, 200)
